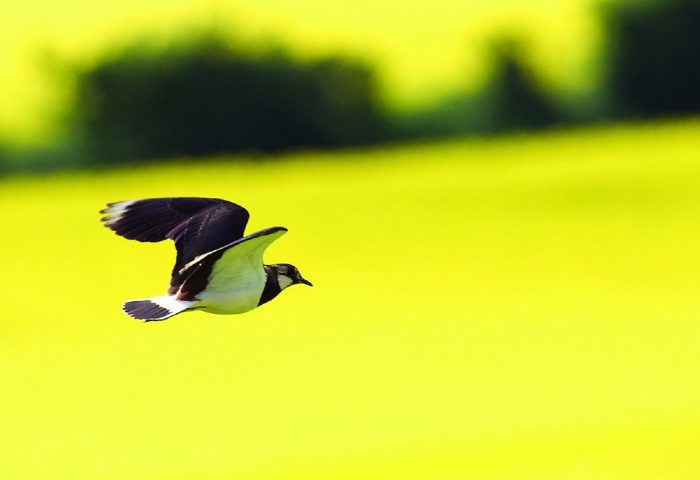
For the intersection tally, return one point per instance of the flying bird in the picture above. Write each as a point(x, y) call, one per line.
point(217, 269)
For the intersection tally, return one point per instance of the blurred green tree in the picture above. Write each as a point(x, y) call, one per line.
point(207, 98)
point(512, 98)
point(517, 100)
point(652, 56)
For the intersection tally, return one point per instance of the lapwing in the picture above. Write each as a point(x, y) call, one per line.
point(217, 269)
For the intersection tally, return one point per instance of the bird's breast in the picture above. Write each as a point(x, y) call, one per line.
point(232, 294)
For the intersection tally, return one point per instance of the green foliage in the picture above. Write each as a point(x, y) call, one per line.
point(205, 96)
point(208, 98)
point(516, 99)
point(511, 99)
point(652, 57)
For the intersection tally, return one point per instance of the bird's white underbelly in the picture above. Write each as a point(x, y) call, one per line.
point(232, 297)
point(238, 301)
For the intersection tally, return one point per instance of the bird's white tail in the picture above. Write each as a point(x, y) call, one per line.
point(156, 308)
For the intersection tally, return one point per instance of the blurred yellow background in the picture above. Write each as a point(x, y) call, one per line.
point(521, 308)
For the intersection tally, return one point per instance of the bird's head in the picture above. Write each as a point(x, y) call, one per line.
point(288, 275)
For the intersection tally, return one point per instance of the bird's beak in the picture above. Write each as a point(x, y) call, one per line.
point(305, 282)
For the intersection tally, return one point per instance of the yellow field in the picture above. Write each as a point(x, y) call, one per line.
point(520, 309)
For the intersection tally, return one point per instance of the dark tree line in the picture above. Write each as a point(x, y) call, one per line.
point(652, 59)
point(651, 68)
point(208, 98)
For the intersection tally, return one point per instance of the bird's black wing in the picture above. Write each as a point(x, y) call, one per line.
point(197, 225)
point(217, 269)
